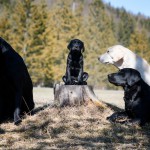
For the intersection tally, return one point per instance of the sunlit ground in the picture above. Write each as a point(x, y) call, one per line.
point(73, 128)
point(45, 95)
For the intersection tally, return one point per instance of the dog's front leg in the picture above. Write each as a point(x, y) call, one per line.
point(68, 81)
point(67, 77)
point(18, 101)
point(80, 76)
point(68, 71)
point(135, 121)
point(80, 81)
point(118, 117)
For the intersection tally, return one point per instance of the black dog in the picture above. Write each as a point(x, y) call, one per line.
point(74, 70)
point(136, 97)
point(7, 98)
point(15, 71)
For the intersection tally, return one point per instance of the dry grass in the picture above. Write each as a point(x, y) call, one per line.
point(82, 127)
point(75, 128)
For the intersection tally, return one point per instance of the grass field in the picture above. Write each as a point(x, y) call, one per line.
point(45, 95)
point(73, 128)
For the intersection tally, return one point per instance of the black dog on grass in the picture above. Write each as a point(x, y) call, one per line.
point(16, 73)
point(74, 70)
point(7, 98)
point(136, 97)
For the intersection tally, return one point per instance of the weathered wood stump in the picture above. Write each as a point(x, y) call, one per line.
point(75, 95)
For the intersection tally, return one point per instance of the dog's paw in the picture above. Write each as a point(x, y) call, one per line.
point(118, 117)
point(110, 119)
point(17, 121)
point(134, 122)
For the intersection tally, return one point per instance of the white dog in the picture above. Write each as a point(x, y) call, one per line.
point(122, 57)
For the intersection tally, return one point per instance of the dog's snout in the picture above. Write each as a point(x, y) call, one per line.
point(75, 46)
point(109, 75)
point(100, 58)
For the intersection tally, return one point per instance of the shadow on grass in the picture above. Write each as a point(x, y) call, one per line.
point(79, 128)
point(41, 108)
point(112, 136)
point(114, 108)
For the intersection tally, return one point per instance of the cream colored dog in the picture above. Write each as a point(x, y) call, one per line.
point(122, 57)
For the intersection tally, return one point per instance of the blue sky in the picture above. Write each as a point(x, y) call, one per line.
point(134, 6)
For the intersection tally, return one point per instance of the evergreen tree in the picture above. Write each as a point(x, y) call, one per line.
point(38, 44)
point(98, 36)
point(5, 24)
point(40, 33)
point(139, 44)
point(29, 36)
point(65, 27)
point(125, 28)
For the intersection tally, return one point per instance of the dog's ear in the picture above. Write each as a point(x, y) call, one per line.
point(133, 79)
point(1, 40)
point(69, 45)
point(83, 48)
point(116, 53)
point(1, 45)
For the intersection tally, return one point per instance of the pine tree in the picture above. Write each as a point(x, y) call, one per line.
point(125, 28)
point(65, 26)
point(98, 36)
point(38, 44)
point(41, 36)
point(29, 36)
point(139, 44)
point(5, 24)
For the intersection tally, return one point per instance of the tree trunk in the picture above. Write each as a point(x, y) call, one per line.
point(75, 95)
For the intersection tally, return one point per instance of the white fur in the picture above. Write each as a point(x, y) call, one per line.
point(122, 57)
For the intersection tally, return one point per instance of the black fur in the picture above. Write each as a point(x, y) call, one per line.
point(16, 76)
point(136, 96)
point(74, 70)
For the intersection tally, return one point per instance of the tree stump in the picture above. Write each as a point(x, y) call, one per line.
point(75, 95)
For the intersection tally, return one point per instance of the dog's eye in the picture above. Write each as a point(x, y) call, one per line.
point(108, 51)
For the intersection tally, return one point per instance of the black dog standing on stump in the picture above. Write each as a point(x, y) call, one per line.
point(75, 91)
point(74, 70)
point(16, 74)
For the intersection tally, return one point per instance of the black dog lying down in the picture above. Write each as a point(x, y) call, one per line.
point(17, 77)
point(74, 70)
point(136, 97)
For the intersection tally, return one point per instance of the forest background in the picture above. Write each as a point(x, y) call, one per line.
point(40, 30)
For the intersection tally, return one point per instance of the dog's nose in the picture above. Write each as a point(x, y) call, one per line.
point(109, 75)
point(75, 47)
point(100, 58)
